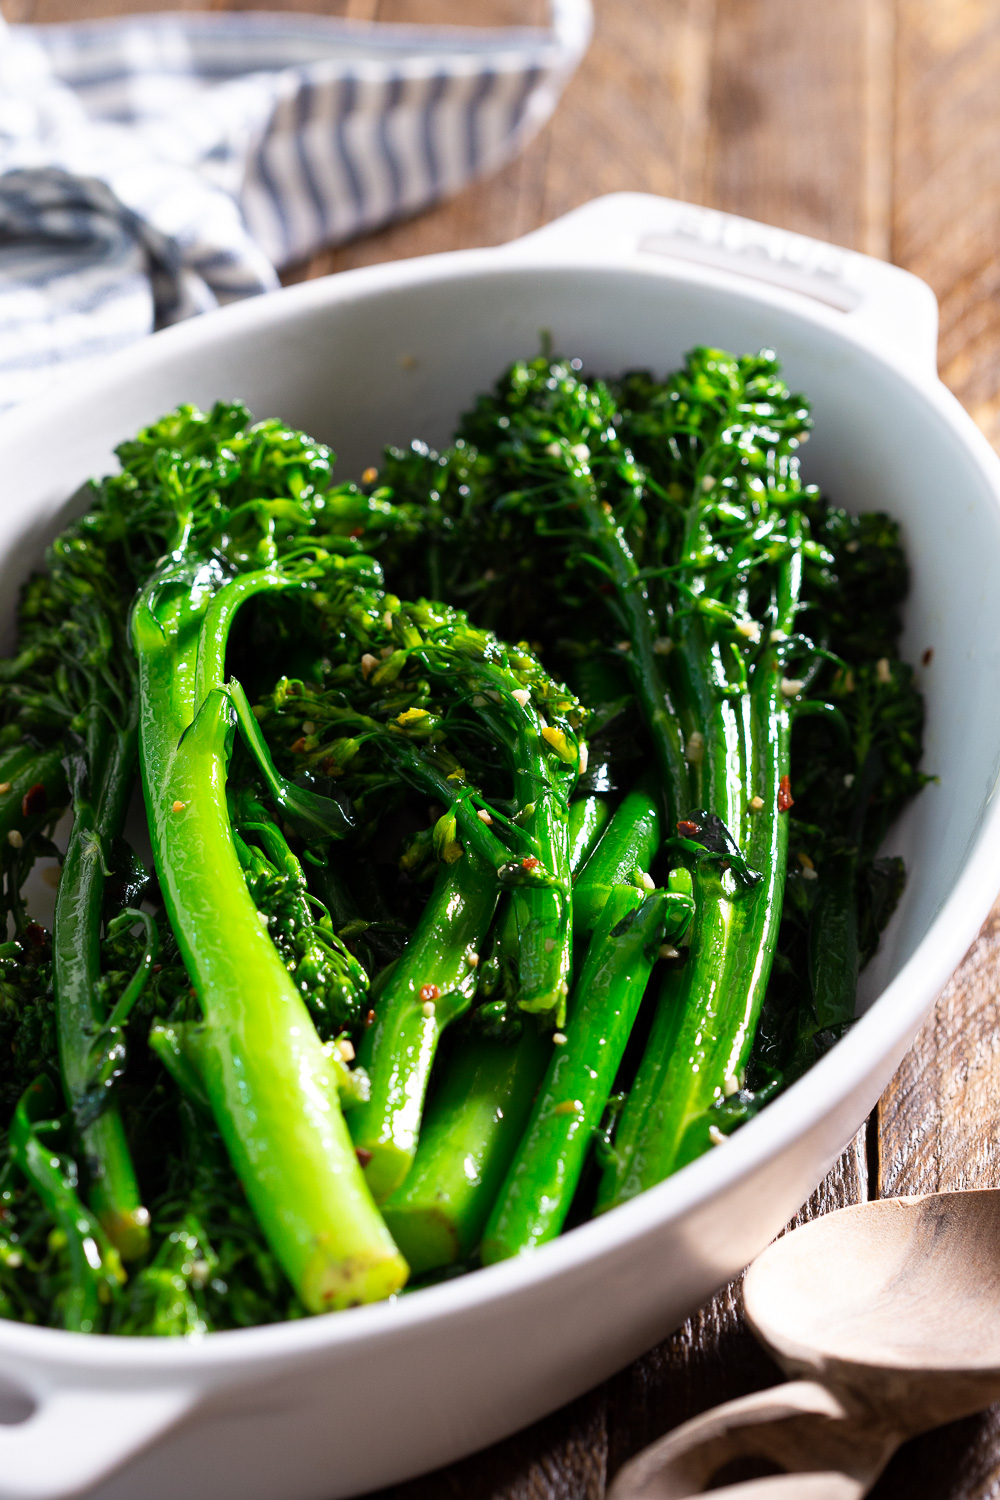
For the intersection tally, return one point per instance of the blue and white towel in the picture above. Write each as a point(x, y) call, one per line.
point(155, 166)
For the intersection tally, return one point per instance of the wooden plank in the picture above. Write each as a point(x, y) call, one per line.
point(800, 117)
point(938, 1118)
point(937, 1132)
point(478, 13)
point(83, 10)
point(946, 221)
point(635, 116)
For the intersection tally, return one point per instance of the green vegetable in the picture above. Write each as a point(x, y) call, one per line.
point(588, 818)
point(259, 1058)
point(676, 507)
point(383, 831)
point(449, 709)
point(114, 1193)
point(432, 984)
point(533, 1203)
point(476, 1118)
point(470, 1133)
point(96, 1267)
point(623, 856)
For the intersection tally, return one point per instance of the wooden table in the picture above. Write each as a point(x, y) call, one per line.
point(875, 124)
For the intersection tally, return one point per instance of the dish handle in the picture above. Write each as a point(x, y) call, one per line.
point(72, 1438)
point(888, 307)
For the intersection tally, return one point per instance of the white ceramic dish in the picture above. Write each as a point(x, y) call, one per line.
point(332, 1406)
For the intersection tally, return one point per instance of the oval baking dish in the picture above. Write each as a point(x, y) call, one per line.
point(335, 1405)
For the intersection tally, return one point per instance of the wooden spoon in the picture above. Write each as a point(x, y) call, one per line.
point(892, 1311)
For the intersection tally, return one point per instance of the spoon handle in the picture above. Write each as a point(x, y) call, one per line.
point(792, 1442)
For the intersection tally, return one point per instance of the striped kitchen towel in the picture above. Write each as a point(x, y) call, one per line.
point(155, 166)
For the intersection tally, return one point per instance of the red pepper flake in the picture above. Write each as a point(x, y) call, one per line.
point(688, 830)
point(928, 656)
point(529, 864)
point(429, 992)
point(364, 1157)
point(369, 1018)
point(299, 746)
point(157, 968)
point(357, 532)
point(785, 798)
point(35, 935)
point(35, 800)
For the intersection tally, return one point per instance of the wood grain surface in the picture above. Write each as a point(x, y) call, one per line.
point(875, 124)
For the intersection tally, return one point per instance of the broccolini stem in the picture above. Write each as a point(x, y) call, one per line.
point(476, 1117)
point(645, 666)
point(260, 1060)
point(544, 918)
point(99, 806)
point(316, 819)
point(538, 1191)
point(178, 1048)
point(132, 917)
point(432, 983)
point(588, 818)
point(469, 1135)
point(708, 1012)
point(625, 852)
point(544, 914)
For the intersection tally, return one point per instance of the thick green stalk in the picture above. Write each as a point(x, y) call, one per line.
point(179, 1049)
point(543, 1177)
point(588, 818)
point(625, 852)
point(708, 1011)
point(261, 1062)
point(99, 806)
point(477, 1116)
point(433, 982)
point(471, 1132)
point(543, 913)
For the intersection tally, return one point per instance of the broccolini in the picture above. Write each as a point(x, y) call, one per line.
point(516, 821)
